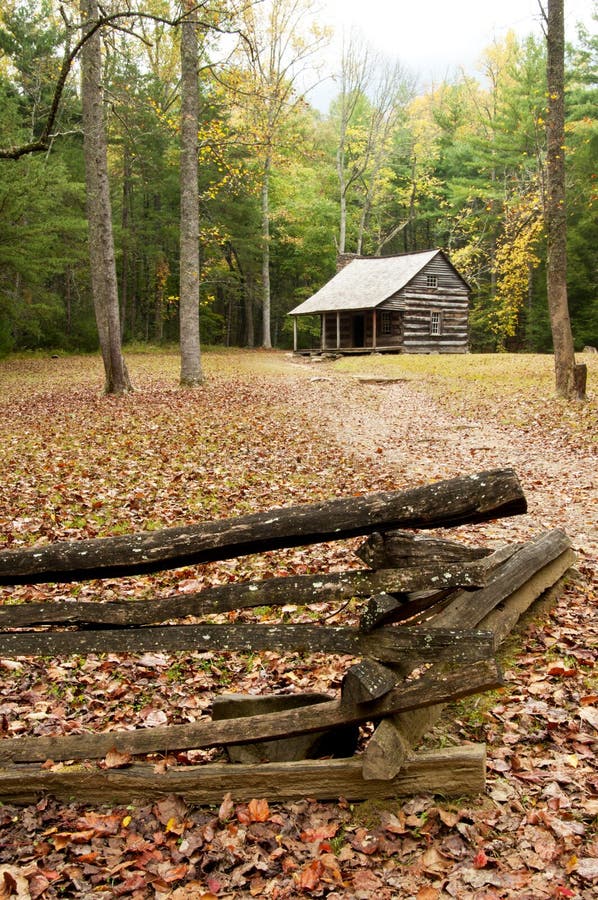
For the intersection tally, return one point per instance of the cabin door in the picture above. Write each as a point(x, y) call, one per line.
point(359, 330)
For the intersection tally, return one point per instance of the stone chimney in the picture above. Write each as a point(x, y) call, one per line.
point(343, 259)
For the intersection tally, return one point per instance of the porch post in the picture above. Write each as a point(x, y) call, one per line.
point(322, 331)
point(338, 330)
point(294, 334)
point(373, 329)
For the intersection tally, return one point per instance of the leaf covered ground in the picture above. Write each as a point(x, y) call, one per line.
point(266, 431)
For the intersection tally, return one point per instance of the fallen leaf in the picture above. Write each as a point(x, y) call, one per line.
point(433, 862)
point(174, 873)
point(589, 699)
point(174, 826)
point(449, 818)
point(13, 883)
point(154, 660)
point(364, 842)
point(310, 876)
point(365, 884)
point(114, 759)
point(259, 811)
point(332, 872)
point(226, 808)
point(391, 823)
point(321, 833)
point(589, 714)
point(587, 868)
point(155, 717)
point(135, 882)
point(480, 860)
point(170, 808)
point(38, 885)
point(562, 670)
point(479, 878)
point(427, 893)
point(193, 890)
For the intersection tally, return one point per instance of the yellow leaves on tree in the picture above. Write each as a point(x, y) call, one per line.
point(514, 262)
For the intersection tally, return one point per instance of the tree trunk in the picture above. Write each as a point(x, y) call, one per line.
point(191, 372)
point(266, 339)
point(386, 644)
point(126, 237)
point(342, 225)
point(101, 242)
point(249, 320)
point(277, 591)
point(556, 210)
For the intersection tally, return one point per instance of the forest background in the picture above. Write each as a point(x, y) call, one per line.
point(389, 168)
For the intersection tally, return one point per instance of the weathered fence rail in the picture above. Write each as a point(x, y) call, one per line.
point(474, 498)
point(428, 604)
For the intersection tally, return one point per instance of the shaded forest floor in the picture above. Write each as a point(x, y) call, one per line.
point(267, 430)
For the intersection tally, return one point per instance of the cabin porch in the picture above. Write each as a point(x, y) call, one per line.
point(355, 332)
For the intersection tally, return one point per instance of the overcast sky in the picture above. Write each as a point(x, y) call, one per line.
point(434, 39)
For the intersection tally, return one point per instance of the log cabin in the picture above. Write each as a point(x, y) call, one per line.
point(411, 303)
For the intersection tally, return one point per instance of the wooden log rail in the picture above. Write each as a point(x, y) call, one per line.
point(524, 576)
point(299, 590)
point(388, 644)
point(450, 772)
point(456, 501)
point(428, 604)
point(460, 682)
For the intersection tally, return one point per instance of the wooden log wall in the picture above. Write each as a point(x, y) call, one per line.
point(450, 298)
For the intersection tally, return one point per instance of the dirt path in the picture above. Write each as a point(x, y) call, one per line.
point(400, 426)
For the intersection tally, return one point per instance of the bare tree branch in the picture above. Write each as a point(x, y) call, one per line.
point(43, 142)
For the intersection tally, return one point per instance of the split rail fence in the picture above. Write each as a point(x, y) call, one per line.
point(433, 613)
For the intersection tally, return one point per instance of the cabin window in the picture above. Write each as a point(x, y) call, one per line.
point(386, 323)
point(432, 281)
point(435, 322)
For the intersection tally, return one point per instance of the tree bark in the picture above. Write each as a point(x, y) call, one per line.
point(381, 608)
point(127, 190)
point(568, 385)
point(101, 242)
point(399, 549)
point(386, 753)
point(367, 680)
point(249, 324)
point(191, 371)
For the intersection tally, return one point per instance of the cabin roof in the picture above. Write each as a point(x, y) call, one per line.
point(365, 283)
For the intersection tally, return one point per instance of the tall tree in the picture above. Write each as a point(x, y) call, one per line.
point(569, 378)
point(191, 373)
point(99, 212)
point(143, 137)
point(353, 79)
point(581, 128)
point(374, 93)
point(43, 229)
point(278, 50)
